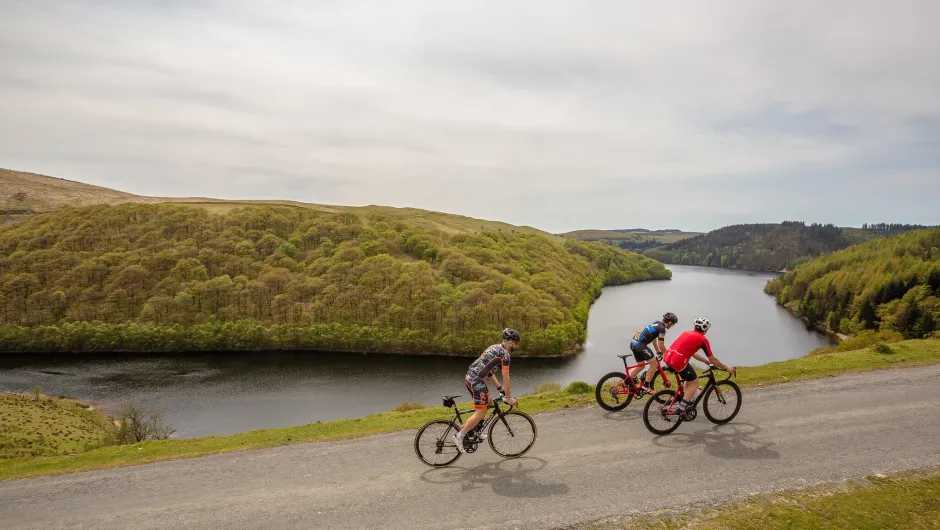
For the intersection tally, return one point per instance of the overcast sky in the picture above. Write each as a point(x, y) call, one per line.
point(559, 115)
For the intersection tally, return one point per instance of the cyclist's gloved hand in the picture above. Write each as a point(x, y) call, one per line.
point(512, 401)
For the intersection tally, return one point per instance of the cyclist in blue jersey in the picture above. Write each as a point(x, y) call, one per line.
point(651, 333)
point(496, 356)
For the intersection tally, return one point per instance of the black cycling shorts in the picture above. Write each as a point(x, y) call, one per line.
point(642, 353)
point(688, 373)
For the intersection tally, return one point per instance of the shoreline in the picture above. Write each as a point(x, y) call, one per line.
point(819, 328)
point(569, 350)
point(741, 269)
point(163, 353)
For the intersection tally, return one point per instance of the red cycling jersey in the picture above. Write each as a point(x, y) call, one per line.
point(686, 344)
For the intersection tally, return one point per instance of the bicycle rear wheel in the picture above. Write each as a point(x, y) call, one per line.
point(513, 434)
point(722, 402)
point(656, 413)
point(613, 392)
point(433, 444)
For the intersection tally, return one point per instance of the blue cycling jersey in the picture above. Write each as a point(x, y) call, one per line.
point(649, 333)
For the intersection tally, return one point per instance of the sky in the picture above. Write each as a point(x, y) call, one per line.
point(561, 115)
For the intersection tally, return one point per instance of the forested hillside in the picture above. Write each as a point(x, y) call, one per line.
point(885, 284)
point(180, 277)
point(769, 246)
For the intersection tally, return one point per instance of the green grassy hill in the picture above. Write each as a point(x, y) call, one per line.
point(48, 426)
point(201, 274)
point(23, 194)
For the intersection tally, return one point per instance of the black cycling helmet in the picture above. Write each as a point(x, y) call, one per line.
point(511, 334)
point(671, 317)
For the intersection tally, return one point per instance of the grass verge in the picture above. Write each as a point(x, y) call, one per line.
point(578, 394)
point(38, 425)
point(900, 501)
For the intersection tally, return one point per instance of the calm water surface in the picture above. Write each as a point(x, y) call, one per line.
point(227, 393)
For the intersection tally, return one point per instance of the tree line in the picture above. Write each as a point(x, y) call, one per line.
point(178, 277)
point(765, 246)
point(890, 284)
point(890, 229)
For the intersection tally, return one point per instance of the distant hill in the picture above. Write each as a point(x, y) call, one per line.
point(23, 194)
point(633, 239)
point(887, 284)
point(768, 246)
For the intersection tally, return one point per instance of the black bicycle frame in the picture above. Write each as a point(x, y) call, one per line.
point(497, 412)
point(711, 382)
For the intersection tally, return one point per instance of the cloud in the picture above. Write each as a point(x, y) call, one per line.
point(558, 115)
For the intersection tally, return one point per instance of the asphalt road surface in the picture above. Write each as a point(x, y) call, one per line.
point(584, 467)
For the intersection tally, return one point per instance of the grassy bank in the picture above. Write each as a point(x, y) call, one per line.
point(38, 425)
point(908, 353)
point(899, 501)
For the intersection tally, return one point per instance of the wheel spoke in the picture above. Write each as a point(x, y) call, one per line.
point(513, 435)
point(722, 402)
point(433, 445)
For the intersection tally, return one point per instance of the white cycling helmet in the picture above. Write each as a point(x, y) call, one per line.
point(702, 324)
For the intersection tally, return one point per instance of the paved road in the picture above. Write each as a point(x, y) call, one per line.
point(786, 436)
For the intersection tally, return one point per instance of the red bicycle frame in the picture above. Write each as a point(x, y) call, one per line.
point(627, 380)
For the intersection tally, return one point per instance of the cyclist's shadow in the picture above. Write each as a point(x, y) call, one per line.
point(509, 478)
point(732, 440)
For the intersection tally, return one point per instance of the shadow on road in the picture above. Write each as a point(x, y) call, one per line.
point(733, 440)
point(628, 414)
point(508, 478)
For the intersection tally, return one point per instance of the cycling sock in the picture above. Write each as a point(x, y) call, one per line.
point(459, 435)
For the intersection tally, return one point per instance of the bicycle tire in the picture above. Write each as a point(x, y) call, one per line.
point(501, 421)
point(440, 442)
point(659, 399)
point(734, 390)
point(599, 392)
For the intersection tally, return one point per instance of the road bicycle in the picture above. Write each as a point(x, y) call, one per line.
point(510, 433)
point(616, 390)
point(722, 401)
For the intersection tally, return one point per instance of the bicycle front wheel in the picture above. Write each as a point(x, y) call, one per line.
point(512, 434)
point(722, 402)
point(433, 443)
point(658, 414)
point(613, 392)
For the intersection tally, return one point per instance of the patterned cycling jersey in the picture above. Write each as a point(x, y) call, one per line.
point(654, 331)
point(487, 363)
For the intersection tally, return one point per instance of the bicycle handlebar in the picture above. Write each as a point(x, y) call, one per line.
point(712, 367)
point(501, 398)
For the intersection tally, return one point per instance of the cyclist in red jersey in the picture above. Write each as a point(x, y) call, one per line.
point(685, 348)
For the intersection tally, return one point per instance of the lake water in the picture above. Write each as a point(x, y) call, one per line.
point(226, 393)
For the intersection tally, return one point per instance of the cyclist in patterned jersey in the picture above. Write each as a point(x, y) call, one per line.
point(685, 348)
point(494, 357)
point(641, 349)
